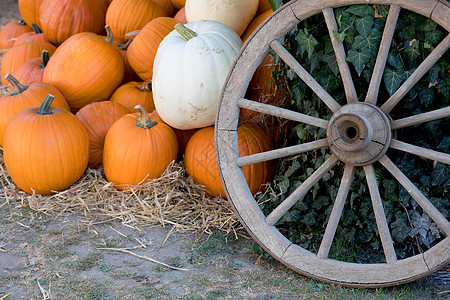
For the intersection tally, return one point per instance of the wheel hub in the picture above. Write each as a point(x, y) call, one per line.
point(359, 133)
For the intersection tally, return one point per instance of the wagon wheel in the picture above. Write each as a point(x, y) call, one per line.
point(359, 134)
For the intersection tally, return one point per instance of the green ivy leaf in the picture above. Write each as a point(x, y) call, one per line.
point(359, 58)
point(364, 25)
point(340, 35)
point(331, 61)
point(370, 42)
point(433, 36)
point(393, 79)
point(444, 88)
point(433, 74)
point(440, 174)
point(394, 60)
point(412, 50)
point(329, 82)
point(307, 41)
point(361, 10)
point(426, 96)
point(275, 4)
point(444, 145)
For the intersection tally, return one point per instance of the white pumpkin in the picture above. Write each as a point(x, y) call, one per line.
point(236, 14)
point(190, 70)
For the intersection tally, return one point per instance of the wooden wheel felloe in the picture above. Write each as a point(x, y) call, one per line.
point(360, 134)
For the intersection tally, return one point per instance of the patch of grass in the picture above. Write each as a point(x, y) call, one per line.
point(83, 289)
point(120, 274)
point(201, 280)
point(8, 278)
point(216, 294)
point(151, 292)
point(88, 262)
point(55, 251)
point(132, 263)
point(105, 267)
point(160, 268)
point(214, 245)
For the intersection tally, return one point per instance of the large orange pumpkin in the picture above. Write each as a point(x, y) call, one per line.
point(200, 158)
point(133, 93)
point(137, 149)
point(255, 23)
point(124, 16)
point(97, 118)
point(10, 31)
point(36, 35)
point(178, 4)
point(168, 7)
point(142, 51)
point(45, 149)
point(29, 10)
point(15, 56)
point(86, 69)
point(26, 96)
point(61, 19)
point(33, 69)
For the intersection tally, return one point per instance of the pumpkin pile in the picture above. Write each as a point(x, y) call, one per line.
point(128, 86)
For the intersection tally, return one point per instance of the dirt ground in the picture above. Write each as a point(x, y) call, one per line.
point(74, 256)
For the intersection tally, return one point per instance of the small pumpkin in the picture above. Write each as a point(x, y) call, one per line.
point(180, 16)
point(124, 16)
point(201, 165)
point(178, 4)
point(137, 149)
point(142, 51)
point(263, 6)
point(33, 69)
point(29, 10)
point(185, 94)
point(15, 56)
point(236, 14)
point(11, 31)
point(61, 19)
point(255, 23)
point(86, 69)
point(26, 96)
point(97, 118)
point(133, 93)
point(45, 149)
point(36, 35)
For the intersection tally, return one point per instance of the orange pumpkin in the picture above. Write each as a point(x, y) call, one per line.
point(142, 51)
point(36, 35)
point(181, 16)
point(15, 56)
point(26, 96)
point(33, 69)
point(168, 7)
point(29, 10)
point(124, 16)
point(137, 149)
point(133, 93)
point(178, 4)
point(263, 6)
point(97, 118)
point(86, 69)
point(200, 158)
point(255, 23)
point(11, 31)
point(46, 149)
point(61, 19)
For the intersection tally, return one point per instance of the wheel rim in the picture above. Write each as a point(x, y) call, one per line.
point(358, 134)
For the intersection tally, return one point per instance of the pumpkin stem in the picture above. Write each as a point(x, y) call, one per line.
point(144, 120)
point(36, 28)
point(18, 87)
point(44, 58)
point(109, 35)
point(185, 32)
point(22, 22)
point(146, 86)
point(125, 46)
point(44, 109)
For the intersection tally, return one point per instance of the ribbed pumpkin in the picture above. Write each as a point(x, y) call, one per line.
point(142, 51)
point(133, 93)
point(181, 16)
point(178, 4)
point(86, 69)
point(61, 19)
point(200, 158)
point(26, 96)
point(10, 31)
point(168, 7)
point(263, 6)
point(97, 118)
point(45, 149)
point(254, 24)
point(29, 10)
point(137, 149)
point(15, 56)
point(124, 16)
point(33, 69)
point(36, 35)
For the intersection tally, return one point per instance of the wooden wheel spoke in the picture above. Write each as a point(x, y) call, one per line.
point(380, 217)
point(281, 113)
point(305, 76)
point(416, 75)
point(338, 47)
point(426, 205)
point(386, 40)
point(422, 152)
point(420, 118)
point(336, 213)
point(278, 153)
point(301, 191)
